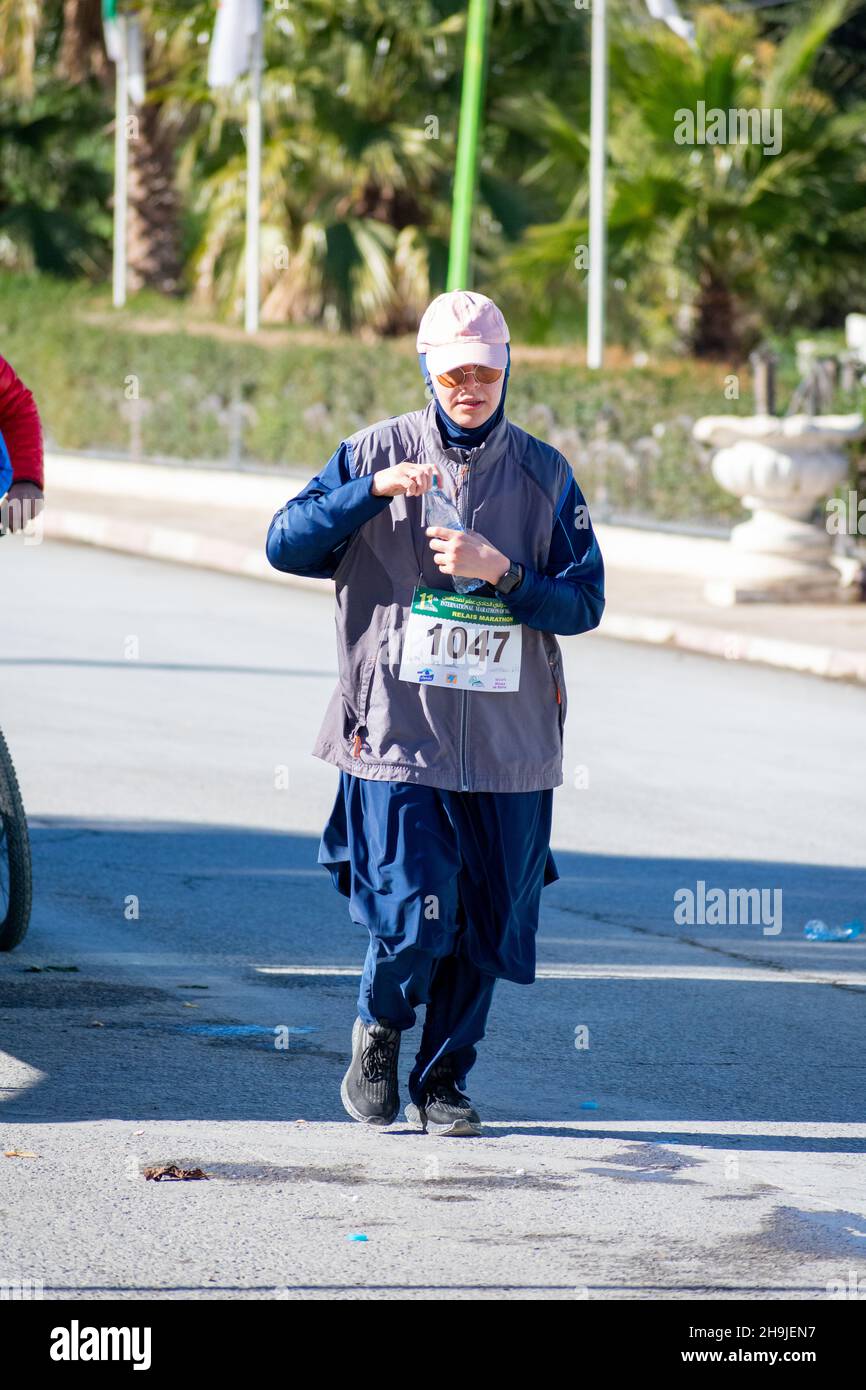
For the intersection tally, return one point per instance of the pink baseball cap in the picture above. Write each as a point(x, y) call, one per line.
point(462, 326)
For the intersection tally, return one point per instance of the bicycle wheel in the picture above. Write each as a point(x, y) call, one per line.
point(15, 878)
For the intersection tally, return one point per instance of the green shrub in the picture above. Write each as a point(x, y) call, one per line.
point(626, 431)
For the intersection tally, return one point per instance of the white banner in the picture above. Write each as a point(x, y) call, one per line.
point(135, 60)
point(234, 40)
point(667, 10)
point(111, 33)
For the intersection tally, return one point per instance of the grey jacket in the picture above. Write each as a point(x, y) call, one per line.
point(521, 495)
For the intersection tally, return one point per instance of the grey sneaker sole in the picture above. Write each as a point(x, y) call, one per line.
point(417, 1118)
point(380, 1120)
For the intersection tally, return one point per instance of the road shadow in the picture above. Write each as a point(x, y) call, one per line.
point(197, 947)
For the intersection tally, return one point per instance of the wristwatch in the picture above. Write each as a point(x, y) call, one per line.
point(511, 579)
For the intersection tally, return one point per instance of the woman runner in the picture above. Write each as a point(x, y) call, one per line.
point(447, 720)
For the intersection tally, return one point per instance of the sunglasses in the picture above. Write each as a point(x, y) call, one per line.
point(456, 376)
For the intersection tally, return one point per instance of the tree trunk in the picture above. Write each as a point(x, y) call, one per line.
point(82, 51)
point(721, 329)
point(153, 238)
point(714, 333)
point(153, 218)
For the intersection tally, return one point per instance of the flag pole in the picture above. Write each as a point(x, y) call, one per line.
point(121, 157)
point(471, 99)
point(254, 189)
point(597, 163)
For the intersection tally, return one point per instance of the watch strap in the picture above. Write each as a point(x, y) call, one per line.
point(511, 579)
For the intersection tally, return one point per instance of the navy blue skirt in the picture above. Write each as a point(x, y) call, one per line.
point(421, 864)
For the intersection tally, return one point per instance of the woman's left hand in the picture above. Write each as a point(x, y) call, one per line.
point(466, 553)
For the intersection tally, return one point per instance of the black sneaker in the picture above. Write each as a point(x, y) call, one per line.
point(445, 1110)
point(369, 1090)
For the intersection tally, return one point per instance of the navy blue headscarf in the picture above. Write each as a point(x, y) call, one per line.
point(456, 436)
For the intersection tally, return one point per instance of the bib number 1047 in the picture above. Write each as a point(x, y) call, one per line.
point(459, 644)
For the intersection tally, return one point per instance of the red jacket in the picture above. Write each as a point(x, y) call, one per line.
point(20, 427)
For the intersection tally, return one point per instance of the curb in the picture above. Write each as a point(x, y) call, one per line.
point(227, 557)
point(832, 663)
point(167, 543)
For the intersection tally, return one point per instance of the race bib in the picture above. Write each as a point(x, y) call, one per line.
point(461, 641)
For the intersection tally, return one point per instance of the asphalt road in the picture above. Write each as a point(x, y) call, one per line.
point(709, 1140)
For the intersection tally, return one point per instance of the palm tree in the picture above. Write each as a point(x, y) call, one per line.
point(71, 31)
point(354, 190)
point(54, 160)
point(361, 102)
point(726, 236)
point(155, 231)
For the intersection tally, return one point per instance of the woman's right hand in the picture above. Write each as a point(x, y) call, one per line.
point(406, 478)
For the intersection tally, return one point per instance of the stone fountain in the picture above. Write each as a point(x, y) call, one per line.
point(780, 468)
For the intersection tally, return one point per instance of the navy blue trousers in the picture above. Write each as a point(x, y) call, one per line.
point(448, 885)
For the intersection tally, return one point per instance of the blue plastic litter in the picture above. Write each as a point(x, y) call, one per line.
point(589, 1105)
point(817, 930)
point(356, 1237)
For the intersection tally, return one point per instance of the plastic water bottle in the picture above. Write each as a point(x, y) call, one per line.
point(441, 511)
point(819, 931)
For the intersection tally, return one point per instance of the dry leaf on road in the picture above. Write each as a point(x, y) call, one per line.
point(171, 1170)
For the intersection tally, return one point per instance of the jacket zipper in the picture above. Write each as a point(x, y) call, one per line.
point(552, 663)
point(363, 704)
point(464, 694)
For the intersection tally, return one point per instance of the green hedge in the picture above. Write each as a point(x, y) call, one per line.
point(626, 431)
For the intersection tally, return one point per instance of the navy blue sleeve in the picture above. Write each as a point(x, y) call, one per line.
point(312, 531)
point(567, 597)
